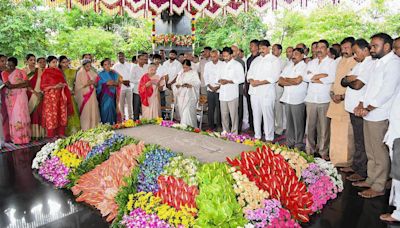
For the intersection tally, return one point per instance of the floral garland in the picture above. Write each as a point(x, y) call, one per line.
point(44, 153)
point(173, 40)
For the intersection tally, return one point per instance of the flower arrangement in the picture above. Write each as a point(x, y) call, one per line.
point(139, 219)
point(101, 147)
point(151, 168)
point(80, 148)
point(263, 216)
point(273, 174)
point(176, 193)
point(152, 204)
point(95, 137)
point(55, 172)
point(216, 201)
point(69, 159)
point(167, 123)
point(312, 174)
point(250, 196)
point(44, 153)
point(185, 168)
point(283, 220)
point(295, 160)
point(332, 172)
point(322, 191)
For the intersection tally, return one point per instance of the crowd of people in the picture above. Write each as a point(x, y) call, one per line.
point(344, 99)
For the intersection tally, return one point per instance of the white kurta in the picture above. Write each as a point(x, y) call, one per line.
point(263, 96)
point(187, 97)
point(392, 134)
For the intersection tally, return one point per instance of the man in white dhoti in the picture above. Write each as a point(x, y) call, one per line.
point(262, 89)
point(187, 91)
point(231, 76)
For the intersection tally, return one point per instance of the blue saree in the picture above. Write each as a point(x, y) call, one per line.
point(107, 97)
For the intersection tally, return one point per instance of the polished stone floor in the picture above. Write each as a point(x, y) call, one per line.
point(27, 201)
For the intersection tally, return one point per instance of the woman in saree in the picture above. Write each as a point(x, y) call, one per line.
point(74, 124)
point(57, 103)
point(17, 83)
point(85, 96)
point(4, 115)
point(108, 93)
point(35, 95)
point(150, 86)
point(187, 94)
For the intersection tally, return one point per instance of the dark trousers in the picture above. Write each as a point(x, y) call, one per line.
point(214, 110)
point(249, 109)
point(163, 102)
point(240, 115)
point(360, 156)
point(295, 125)
point(136, 106)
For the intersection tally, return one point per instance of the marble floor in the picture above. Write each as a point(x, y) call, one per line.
point(27, 201)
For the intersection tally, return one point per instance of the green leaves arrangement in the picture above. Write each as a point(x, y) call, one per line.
point(217, 202)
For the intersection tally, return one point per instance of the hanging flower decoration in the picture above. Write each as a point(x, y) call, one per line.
point(173, 40)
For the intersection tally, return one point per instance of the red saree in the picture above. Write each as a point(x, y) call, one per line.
point(57, 103)
point(145, 92)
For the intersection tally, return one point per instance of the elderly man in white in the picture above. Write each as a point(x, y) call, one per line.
point(123, 68)
point(231, 76)
point(263, 74)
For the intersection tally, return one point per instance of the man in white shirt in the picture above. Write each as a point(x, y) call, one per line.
point(138, 71)
point(279, 108)
point(392, 139)
point(320, 76)
point(295, 90)
point(123, 68)
point(172, 67)
point(212, 73)
point(262, 90)
point(375, 107)
point(231, 76)
point(235, 55)
point(289, 55)
point(355, 82)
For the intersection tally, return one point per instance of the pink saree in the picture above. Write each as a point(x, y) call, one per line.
point(17, 108)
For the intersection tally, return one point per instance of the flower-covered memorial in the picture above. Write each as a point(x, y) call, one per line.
point(134, 184)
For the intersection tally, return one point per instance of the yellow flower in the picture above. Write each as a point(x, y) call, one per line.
point(159, 120)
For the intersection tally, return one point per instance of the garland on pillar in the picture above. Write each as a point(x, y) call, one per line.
point(193, 29)
point(153, 31)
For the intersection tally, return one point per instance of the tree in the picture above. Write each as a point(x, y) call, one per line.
point(102, 44)
point(225, 31)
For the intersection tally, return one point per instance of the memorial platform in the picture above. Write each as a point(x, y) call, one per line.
point(203, 147)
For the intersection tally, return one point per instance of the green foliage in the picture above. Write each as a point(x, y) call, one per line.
point(225, 31)
point(216, 201)
point(102, 44)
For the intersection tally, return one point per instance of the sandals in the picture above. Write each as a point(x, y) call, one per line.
point(361, 184)
point(389, 219)
point(355, 178)
point(347, 170)
point(369, 194)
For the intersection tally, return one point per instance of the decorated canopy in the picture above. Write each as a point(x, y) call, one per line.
point(212, 8)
